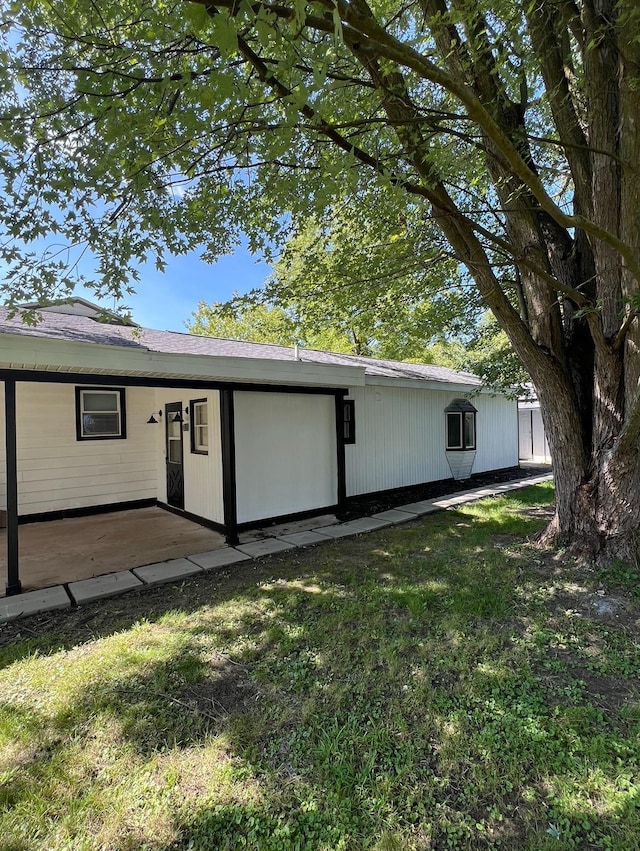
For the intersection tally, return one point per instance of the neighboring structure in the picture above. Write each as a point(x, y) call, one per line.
point(532, 442)
point(232, 434)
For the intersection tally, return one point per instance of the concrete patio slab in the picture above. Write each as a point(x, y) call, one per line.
point(395, 515)
point(219, 558)
point(98, 587)
point(53, 552)
point(166, 571)
point(267, 547)
point(304, 539)
point(33, 603)
point(354, 527)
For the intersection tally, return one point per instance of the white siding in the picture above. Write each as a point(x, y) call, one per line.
point(56, 471)
point(202, 473)
point(400, 437)
point(532, 439)
point(497, 432)
point(285, 453)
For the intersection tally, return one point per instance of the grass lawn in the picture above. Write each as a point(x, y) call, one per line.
point(440, 685)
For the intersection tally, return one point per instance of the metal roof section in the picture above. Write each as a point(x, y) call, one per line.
point(51, 344)
point(461, 406)
point(80, 307)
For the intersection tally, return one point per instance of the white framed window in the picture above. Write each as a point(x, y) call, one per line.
point(199, 426)
point(100, 413)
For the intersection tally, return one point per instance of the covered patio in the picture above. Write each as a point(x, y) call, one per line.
point(57, 551)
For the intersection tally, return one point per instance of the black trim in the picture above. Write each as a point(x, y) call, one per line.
point(123, 413)
point(87, 510)
point(285, 518)
point(192, 419)
point(349, 421)
point(46, 377)
point(194, 518)
point(408, 488)
point(228, 451)
point(174, 469)
point(341, 467)
point(13, 586)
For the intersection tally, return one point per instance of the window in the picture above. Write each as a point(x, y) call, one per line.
point(454, 431)
point(199, 426)
point(461, 425)
point(349, 421)
point(100, 413)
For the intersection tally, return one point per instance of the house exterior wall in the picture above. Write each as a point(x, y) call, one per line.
point(496, 432)
point(400, 437)
point(286, 460)
point(56, 471)
point(532, 439)
point(202, 473)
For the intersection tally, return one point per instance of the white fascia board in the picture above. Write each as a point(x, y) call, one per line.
point(426, 384)
point(40, 353)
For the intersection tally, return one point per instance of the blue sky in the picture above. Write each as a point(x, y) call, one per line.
point(165, 300)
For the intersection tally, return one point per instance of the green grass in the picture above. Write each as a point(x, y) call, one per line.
point(441, 685)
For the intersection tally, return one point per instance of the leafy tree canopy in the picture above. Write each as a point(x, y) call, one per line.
point(507, 127)
point(348, 286)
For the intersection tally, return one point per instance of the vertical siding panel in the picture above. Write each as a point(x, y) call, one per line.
point(286, 458)
point(497, 432)
point(400, 437)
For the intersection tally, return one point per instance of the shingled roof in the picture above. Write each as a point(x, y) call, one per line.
point(83, 329)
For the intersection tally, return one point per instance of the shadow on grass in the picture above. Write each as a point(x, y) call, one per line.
point(379, 692)
point(61, 630)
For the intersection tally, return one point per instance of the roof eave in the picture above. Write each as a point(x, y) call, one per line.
point(28, 353)
point(425, 384)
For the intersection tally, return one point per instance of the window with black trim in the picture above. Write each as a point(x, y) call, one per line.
point(349, 420)
point(199, 426)
point(461, 425)
point(100, 413)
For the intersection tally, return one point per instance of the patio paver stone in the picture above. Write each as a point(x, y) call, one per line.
point(33, 602)
point(86, 590)
point(166, 571)
point(425, 506)
point(303, 539)
point(218, 558)
point(354, 527)
point(266, 547)
point(395, 515)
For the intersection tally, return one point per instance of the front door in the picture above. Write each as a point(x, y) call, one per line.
point(175, 475)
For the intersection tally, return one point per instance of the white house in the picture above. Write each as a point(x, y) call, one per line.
point(101, 414)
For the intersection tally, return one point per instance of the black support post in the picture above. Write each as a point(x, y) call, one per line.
point(227, 431)
point(342, 473)
point(14, 585)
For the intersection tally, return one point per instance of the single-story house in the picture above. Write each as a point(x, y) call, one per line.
point(101, 414)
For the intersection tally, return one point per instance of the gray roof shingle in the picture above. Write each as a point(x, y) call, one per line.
point(82, 329)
